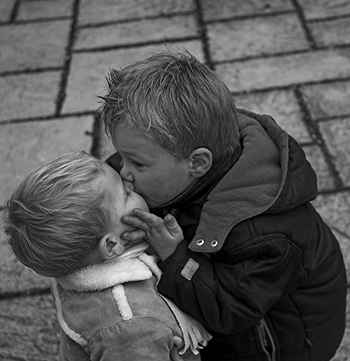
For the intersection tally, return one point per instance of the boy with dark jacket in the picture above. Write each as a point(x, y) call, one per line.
point(258, 267)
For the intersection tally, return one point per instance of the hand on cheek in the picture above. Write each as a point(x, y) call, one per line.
point(162, 234)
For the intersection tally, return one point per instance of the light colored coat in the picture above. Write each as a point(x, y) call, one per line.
point(113, 312)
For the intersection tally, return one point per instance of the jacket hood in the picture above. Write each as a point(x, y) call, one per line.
point(271, 175)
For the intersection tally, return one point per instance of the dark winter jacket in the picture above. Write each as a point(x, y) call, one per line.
point(258, 267)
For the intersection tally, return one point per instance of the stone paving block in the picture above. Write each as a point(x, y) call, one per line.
point(32, 46)
point(136, 31)
point(38, 9)
point(110, 10)
point(335, 210)
point(285, 70)
point(24, 146)
point(315, 157)
point(327, 100)
point(318, 9)
point(88, 71)
point(222, 9)
point(14, 276)
point(332, 32)
point(282, 106)
point(6, 7)
point(29, 331)
point(28, 95)
point(337, 134)
point(257, 36)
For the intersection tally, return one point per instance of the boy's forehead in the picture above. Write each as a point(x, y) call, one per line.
point(135, 142)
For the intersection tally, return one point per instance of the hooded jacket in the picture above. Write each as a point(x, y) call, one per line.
point(258, 268)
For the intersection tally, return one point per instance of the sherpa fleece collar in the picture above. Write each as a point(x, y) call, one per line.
point(133, 265)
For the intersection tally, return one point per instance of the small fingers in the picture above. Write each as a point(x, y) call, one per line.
point(150, 219)
point(135, 222)
point(133, 236)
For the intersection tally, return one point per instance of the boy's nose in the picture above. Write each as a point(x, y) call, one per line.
point(127, 176)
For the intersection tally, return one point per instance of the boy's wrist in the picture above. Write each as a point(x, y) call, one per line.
point(165, 252)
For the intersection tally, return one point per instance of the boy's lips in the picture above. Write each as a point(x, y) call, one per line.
point(129, 185)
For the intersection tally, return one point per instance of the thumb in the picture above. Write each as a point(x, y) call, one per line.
point(172, 225)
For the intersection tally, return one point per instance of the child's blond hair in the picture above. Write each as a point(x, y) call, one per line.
point(55, 217)
point(177, 101)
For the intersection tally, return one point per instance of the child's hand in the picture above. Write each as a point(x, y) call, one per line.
point(162, 234)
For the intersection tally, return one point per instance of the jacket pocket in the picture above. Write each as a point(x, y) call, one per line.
point(267, 340)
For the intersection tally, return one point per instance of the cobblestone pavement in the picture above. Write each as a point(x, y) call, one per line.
point(288, 58)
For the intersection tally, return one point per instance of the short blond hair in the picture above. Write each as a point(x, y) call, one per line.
point(55, 217)
point(177, 101)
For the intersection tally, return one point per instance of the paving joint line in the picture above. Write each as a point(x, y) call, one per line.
point(343, 189)
point(290, 86)
point(36, 20)
point(14, 11)
point(203, 34)
point(135, 19)
point(29, 71)
point(263, 56)
point(46, 117)
point(329, 18)
point(250, 16)
point(330, 118)
point(68, 58)
point(163, 41)
point(33, 292)
point(303, 21)
point(316, 133)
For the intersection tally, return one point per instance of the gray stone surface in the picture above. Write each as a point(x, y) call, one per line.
point(257, 36)
point(315, 157)
point(38, 9)
point(222, 9)
point(28, 95)
point(327, 100)
point(88, 71)
point(34, 41)
point(27, 46)
point(285, 70)
point(335, 210)
point(6, 7)
point(14, 276)
point(137, 31)
point(282, 106)
point(337, 135)
point(29, 331)
point(125, 9)
point(318, 9)
point(332, 32)
point(24, 146)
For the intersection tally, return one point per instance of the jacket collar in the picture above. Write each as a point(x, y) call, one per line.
point(133, 265)
point(249, 188)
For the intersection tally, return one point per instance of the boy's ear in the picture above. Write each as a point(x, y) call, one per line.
point(110, 246)
point(201, 160)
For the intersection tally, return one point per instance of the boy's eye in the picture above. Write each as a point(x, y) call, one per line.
point(137, 164)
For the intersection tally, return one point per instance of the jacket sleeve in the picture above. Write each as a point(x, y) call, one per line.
point(233, 292)
point(71, 351)
point(140, 338)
